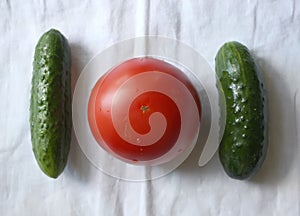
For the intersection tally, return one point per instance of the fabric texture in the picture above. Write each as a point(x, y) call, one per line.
point(270, 29)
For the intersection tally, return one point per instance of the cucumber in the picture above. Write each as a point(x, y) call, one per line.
point(244, 144)
point(50, 103)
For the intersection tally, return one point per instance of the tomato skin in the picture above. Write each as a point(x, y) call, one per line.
point(131, 144)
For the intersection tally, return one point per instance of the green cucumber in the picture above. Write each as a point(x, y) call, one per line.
point(50, 103)
point(244, 143)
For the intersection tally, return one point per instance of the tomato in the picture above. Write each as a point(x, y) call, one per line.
point(136, 110)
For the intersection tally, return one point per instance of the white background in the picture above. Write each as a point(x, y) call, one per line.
point(269, 28)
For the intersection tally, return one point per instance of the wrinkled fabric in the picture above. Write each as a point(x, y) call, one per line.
point(269, 28)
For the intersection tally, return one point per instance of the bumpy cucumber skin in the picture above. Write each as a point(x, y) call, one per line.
point(244, 144)
point(50, 103)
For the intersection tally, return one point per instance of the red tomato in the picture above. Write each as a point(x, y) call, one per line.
point(134, 109)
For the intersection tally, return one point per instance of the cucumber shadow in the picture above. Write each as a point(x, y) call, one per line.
point(78, 165)
point(282, 136)
point(282, 143)
point(79, 59)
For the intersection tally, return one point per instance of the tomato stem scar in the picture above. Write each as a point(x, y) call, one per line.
point(144, 108)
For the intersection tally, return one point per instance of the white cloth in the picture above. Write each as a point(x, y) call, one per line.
point(269, 28)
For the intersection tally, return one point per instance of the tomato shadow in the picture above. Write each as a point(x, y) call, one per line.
point(191, 169)
point(190, 166)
